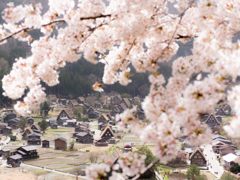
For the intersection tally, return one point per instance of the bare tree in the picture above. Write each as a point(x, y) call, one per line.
point(77, 171)
point(93, 157)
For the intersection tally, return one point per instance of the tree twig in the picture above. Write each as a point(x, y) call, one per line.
point(95, 17)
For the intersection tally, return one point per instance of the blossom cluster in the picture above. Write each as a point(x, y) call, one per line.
point(141, 33)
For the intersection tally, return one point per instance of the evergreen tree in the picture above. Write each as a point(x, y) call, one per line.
point(84, 110)
point(43, 125)
point(193, 172)
point(22, 124)
point(45, 108)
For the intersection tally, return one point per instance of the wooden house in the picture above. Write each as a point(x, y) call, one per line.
point(212, 121)
point(54, 125)
point(52, 98)
point(34, 139)
point(2, 125)
point(221, 112)
point(103, 119)
point(141, 114)
point(70, 123)
point(107, 133)
point(113, 158)
point(60, 144)
point(5, 153)
point(73, 103)
point(15, 160)
point(92, 114)
point(226, 108)
point(30, 120)
point(217, 144)
point(100, 142)
point(97, 104)
point(84, 138)
point(198, 158)
point(10, 115)
point(64, 115)
point(80, 100)
point(122, 107)
point(13, 123)
point(86, 105)
point(62, 101)
point(116, 100)
point(46, 143)
point(126, 102)
point(7, 131)
point(136, 100)
point(27, 152)
point(104, 106)
point(26, 132)
point(226, 149)
point(35, 127)
point(115, 111)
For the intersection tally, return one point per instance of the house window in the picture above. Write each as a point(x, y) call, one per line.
point(195, 156)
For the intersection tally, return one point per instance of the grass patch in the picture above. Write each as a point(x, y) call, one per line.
point(166, 177)
point(60, 129)
point(40, 172)
point(37, 119)
point(164, 167)
point(62, 167)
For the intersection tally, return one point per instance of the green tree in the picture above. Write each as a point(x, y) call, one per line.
point(6, 119)
point(71, 145)
point(22, 124)
point(227, 176)
point(77, 112)
point(125, 95)
point(144, 150)
point(193, 172)
point(85, 119)
point(45, 108)
point(202, 177)
point(43, 125)
point(13, 138)
point(84, 110)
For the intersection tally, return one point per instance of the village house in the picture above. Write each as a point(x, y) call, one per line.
point(84, 137)
point(122, 107)
point(73, 103)
point(27, 152)
point(62, 101)
point(80, 100)
point(60, 144)
point(227, 149)
point(5, 153)
point(126, 102)
point(64, 115)
point(10, 115)
point(35, 127)
point(212, 121)
point(198, 158)
point(52, 98)
point(116, 100)
point(103, 119)
point(7, 131)
point(92, 114)
point(226, 108)
point(97, 104)
point(46, 143)
point(26, 132)
point(13, 123)
point(217, 136)
point(14, 160)
point(86, 105)
point(115, 111)
point(140, 114)
point(107, 134)
point(229, 160)
point(113, 158)
point(100, 142)
point(220, 112)
point(70, 123)
point(54, 125)
point(34, 139)
point(2, 125)
point(104, 106)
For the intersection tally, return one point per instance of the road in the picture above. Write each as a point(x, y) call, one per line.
point(51, 170)
point(215, 167)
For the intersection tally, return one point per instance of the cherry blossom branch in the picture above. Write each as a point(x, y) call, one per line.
point(96, 17)
point(146, 169)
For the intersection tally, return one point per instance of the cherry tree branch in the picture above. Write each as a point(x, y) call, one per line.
point(26, 29)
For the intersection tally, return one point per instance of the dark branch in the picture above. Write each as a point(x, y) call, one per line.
point(95, 17)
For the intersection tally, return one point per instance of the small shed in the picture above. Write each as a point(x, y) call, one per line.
point(5, 153)
point(46, 143)
point(7, 131)
point(60, 144)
